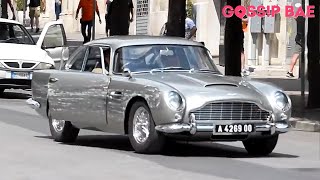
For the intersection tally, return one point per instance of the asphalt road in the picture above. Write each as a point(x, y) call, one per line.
point(27, 152)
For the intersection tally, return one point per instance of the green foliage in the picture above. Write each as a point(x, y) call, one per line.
point(19, 5)
point(189, 8)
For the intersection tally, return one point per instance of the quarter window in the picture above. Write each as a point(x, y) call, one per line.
point(94, 60)
point(77, 59)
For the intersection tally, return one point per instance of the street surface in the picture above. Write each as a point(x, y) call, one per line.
point(28, 153)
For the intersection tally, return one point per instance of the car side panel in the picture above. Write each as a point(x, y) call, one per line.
point(39, 85)
point(131, 88)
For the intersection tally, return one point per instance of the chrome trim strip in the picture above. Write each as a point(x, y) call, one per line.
point(34, 104)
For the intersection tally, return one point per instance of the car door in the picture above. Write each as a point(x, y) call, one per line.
point(85, 91)
point(53, 40)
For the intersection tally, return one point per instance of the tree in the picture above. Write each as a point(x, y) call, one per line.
point(232, 40)
point(314, 57)
point(176, 18)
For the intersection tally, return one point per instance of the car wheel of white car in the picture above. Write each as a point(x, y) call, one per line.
point(142, 133)
point(261, 147)
point(62, 131)
point(1, 91)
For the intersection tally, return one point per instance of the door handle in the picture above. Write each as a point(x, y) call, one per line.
point(52, 80)
point(116, 93)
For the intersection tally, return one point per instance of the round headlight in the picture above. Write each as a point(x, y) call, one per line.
point(281, 100)
point(174, 100)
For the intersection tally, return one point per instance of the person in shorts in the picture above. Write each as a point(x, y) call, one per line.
point(298, 47)
point(34, 14)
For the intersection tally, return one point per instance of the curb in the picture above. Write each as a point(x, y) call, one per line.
point(305, 125)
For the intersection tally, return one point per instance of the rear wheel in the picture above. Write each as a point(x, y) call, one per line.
point(261, 147)
point(62, 131)
point(142, 133)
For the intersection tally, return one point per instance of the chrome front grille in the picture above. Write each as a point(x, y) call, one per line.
point(12, 64)
point(234, 111)
point(19, 65)
point(28, 65)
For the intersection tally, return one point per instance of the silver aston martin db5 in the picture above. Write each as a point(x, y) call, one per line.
point(154, 89)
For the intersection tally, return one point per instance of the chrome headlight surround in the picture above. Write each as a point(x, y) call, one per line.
point(174, 101)
point(2, 66)
point(282, 101)
point(44, 66)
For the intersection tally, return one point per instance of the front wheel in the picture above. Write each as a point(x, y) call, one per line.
point(261, 147)
point(62, 131)
point(142, 133)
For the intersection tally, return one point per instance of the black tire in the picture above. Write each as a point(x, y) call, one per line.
point(261, 146)
point(68, 134)
point(1, 91)
point(155, 142)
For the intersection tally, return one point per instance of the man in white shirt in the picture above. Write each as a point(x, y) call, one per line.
point(190, 28)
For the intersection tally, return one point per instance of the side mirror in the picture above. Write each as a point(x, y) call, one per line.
point(127, 73)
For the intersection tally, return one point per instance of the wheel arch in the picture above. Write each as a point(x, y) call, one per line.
point(128, 108)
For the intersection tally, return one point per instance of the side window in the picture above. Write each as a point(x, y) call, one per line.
point(93, 61)
point(78, 59)
point(118, 63)
point(54, 37)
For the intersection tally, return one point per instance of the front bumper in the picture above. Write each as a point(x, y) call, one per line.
point(15, 79)
point(192, 127)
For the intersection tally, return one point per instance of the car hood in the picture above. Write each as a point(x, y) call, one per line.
point(10, 51)
point(200, 87)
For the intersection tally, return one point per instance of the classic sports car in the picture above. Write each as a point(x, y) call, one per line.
point(20, 55)
point(154, 89)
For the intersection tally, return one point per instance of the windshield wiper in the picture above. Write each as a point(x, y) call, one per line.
point(167, 68)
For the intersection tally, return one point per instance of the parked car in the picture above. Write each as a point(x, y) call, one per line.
point(154, 89)
point(20, 55)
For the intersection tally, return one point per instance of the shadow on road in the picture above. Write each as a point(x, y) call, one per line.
point(15, 95)
point(173, 149)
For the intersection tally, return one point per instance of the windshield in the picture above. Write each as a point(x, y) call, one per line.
point(163, 57)
point(14, 33)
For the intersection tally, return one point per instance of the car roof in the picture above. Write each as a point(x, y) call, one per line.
point(9, 21)
point(131, 40)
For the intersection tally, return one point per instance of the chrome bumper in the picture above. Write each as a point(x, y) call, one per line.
point(192, 127)
point(178, 128)
point(34, 104)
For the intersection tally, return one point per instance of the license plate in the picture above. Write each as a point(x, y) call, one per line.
point(20, 75)
point(234, 128)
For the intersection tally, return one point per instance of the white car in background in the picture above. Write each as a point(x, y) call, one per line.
point(20, 55)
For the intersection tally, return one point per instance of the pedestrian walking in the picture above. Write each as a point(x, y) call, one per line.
point(4, 9)
point(244, 29)
point(58, 8)
point(34, 14)
point(107, 18)
point(119, 14)
point(299, 45)
point(86, 20)
point(190, 28)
